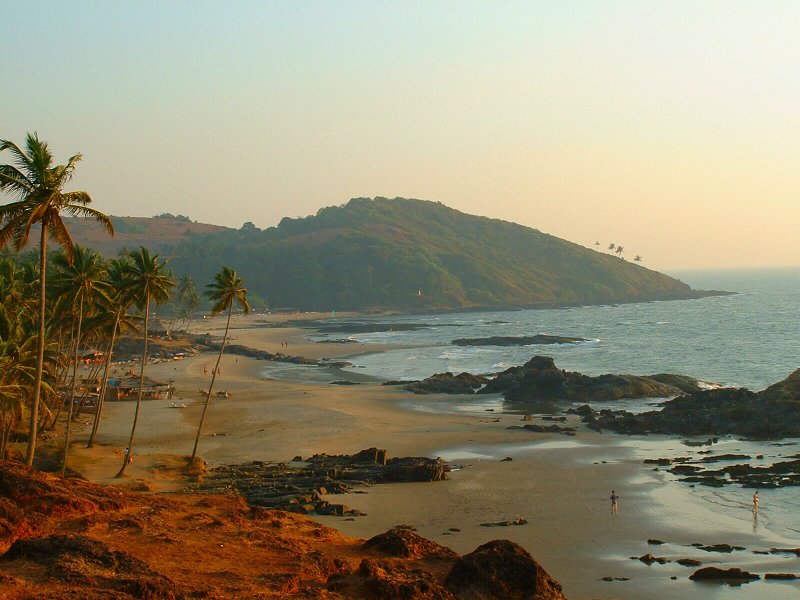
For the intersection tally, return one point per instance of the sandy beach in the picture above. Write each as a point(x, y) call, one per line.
point(560, 485)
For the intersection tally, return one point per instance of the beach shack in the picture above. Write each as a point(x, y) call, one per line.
point(127, 388)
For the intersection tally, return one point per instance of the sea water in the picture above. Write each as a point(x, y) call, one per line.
point(748, 339)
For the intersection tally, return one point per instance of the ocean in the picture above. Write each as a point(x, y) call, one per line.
point(748, 339)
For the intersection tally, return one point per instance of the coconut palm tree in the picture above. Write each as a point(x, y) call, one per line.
point(637, 258)
point(118, 305)
point(619, 250)
point(188, 300)
point(38, 185)
point(82, 285)
point(611, 247)
point(149, 281)
point(227, 288)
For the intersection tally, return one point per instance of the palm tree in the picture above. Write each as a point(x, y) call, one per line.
point(118, 305)
point(37, 184)
point(637, 258)
point(81, 283)
point(611, 247)
point(148, 281)
point(620, 250)
point(227, 288)
point(597, 244)
point(188, 300)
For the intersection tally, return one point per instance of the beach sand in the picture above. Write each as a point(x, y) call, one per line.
point(559, 484)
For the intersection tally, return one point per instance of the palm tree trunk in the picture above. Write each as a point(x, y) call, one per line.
point(213, 377)
point(72, 389)
point(129, 453)
point(101, 398)
point(61, 379)
point(37, 386)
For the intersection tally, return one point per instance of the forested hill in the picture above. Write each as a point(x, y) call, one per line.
point(414, 255)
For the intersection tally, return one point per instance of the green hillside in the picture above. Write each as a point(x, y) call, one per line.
point(413, 255)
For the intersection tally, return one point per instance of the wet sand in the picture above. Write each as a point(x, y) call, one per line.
point(559, 484)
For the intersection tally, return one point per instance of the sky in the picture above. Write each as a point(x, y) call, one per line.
point(671, 128)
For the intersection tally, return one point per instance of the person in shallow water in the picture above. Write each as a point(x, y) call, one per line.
point(755, 502)
point(614, 502)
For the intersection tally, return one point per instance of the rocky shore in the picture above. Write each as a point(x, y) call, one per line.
point(773, 413)
point(67, 538)
point(302, 485)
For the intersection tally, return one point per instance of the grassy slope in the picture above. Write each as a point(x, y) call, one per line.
point(413, 254)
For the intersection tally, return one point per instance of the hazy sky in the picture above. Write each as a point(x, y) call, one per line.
point(672, 128)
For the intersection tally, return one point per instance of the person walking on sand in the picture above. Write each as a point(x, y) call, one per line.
point(614, 502)
point(755, 502)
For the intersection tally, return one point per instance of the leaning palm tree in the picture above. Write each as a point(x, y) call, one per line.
point(637, 258)
point(620, 250)
point(611, 247)
point(38, 186)
point(149, 281)
point(82, 285)
point(227, 288)
point(118, 305)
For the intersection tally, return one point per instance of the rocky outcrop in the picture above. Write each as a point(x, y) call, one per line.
point(539, 379)
point(84, 561)
point(526, 340)
point(82, 540)
point(771, 414)
point(303, 488)
point(447, 383)
point(402, 543)
point(501, 569)
point(733, 575)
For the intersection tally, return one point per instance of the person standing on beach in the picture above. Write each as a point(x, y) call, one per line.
point(614, 502)
point(755, 502)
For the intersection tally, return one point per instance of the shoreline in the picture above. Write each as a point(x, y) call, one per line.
point(558, 484)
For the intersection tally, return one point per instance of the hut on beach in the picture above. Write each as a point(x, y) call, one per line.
point(126, 388)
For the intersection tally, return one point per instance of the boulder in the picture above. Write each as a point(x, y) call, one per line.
point(501, 570)
point(733, 575)
point(447, 383)
point(526, 340)
point(403, 543)
point(539, 379)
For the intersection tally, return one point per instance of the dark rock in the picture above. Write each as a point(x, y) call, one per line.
point(649, 559)
point(654, 542)
point(447, 383)
point(517, 521)
point(501, 570)
point(726, 548)
point(545, 428)
point(795, 551)
point(402, 543)
point(734, 575)
point(539, 379)
point(781, 576)
point(390, 581)
point(517, 341)
point(689, 562)
point(722, 411)
point(506, 459)
point(278, 485)
point(82, 560)
point(687, 385)
point(709, 459)
point(344, 382)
